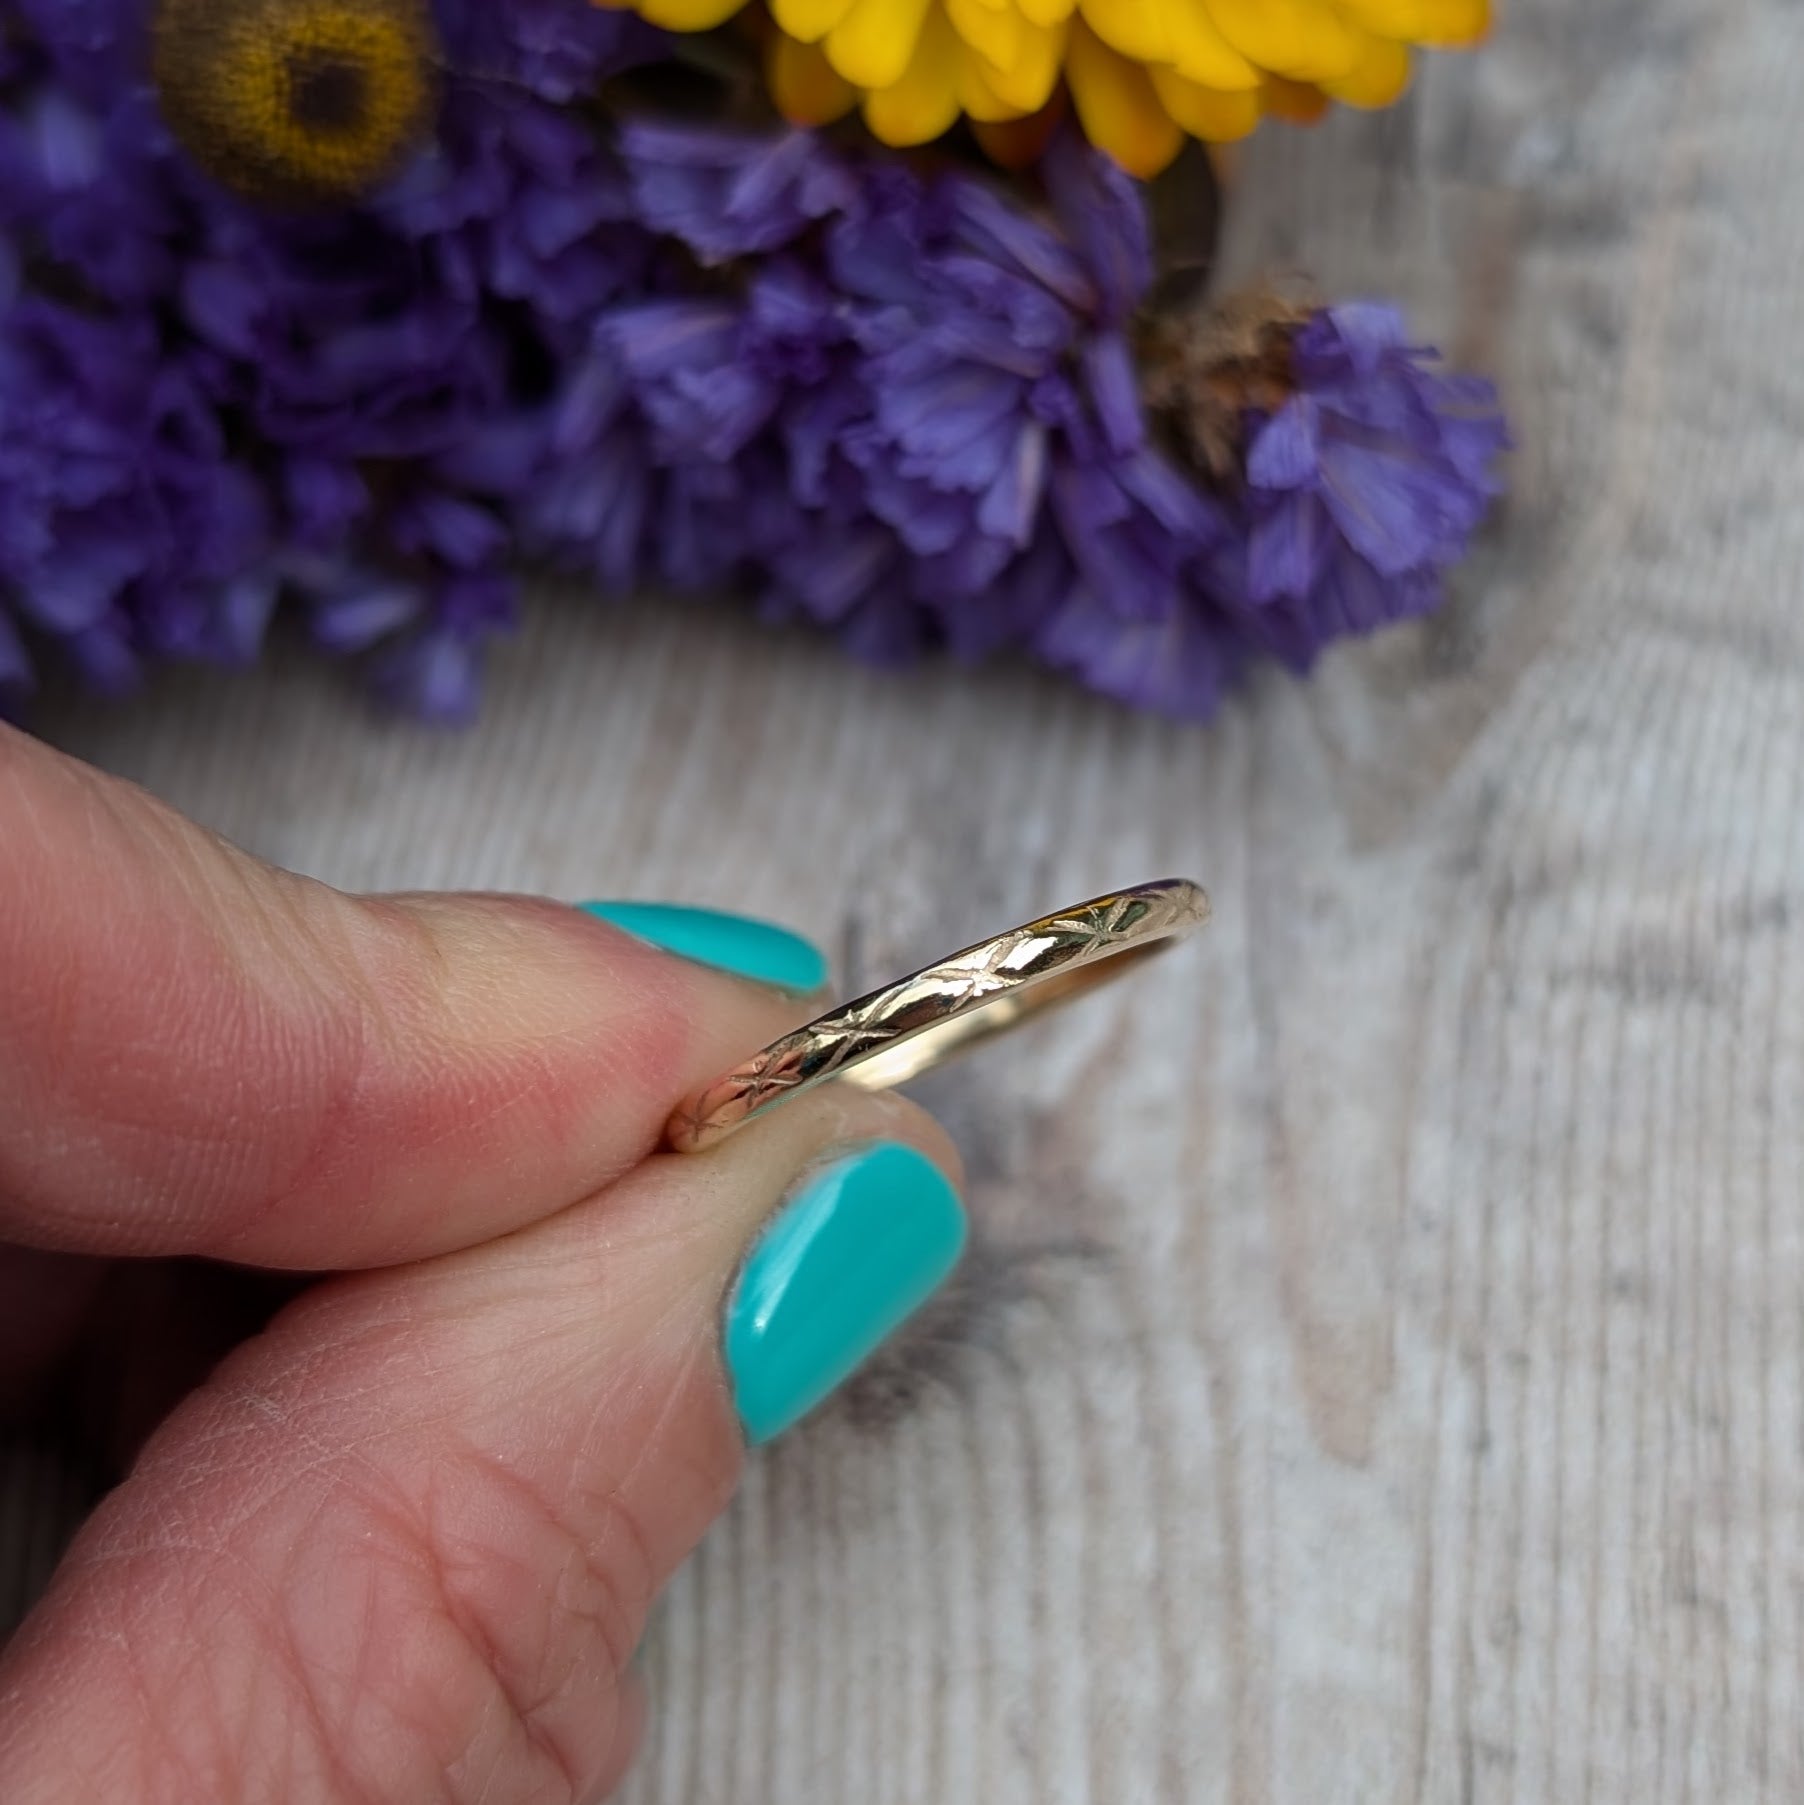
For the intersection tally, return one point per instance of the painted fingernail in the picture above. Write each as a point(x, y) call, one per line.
point(854, 1252)
point(758, 950)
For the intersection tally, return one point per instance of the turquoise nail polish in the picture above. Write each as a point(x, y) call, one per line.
point(735, 943)
point(857, 1249)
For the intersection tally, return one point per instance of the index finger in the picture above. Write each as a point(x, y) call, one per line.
point(202, 1054)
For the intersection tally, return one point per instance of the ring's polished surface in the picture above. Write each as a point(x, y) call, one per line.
point(896, 1032)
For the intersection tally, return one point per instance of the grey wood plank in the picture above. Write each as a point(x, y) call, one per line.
point(1380, 1380)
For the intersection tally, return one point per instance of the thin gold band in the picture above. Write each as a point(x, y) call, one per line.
point(897, 1032)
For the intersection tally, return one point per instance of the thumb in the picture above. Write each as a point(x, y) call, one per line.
point(202, 1054)
point(402, 1546)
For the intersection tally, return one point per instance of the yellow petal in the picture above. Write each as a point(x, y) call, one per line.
point(1046, 12)
point(1304, 39)
point(995, 35)
point(1134, 27)
point(1212, 114)
point(809, 20)
point(1021, 143)
point(874, 45)
point(1028, 82)
point(1445, 22)
point(1118, 107)
point(805, 87)
point(1199, 52)
point(1400, 19)
point(924, 103)
point(689, 15)
point(975, 94)
point(1296, 101)
point(1380, 75)
point(1453, 22)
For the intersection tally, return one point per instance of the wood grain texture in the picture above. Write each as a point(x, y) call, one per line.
point(1380, 1378)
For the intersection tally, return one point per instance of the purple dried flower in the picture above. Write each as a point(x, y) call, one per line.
point(963, 441)
point(1370, 480)
point(898, 404)
point(117, 488)
point(1178, 664)
point(556, 50)
point(729, 194)
point(436, 673)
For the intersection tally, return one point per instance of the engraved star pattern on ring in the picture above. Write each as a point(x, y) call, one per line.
point(1004, 971)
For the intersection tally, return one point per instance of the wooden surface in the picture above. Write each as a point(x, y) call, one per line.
point(1381, 1374)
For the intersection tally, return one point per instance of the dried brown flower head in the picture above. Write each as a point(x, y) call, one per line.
point(295, 100)
point(1203, 369)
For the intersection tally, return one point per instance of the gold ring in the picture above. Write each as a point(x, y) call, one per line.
point(896, 1033)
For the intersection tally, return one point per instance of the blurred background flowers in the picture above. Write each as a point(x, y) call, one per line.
point(357, 310)
point(1141, 74)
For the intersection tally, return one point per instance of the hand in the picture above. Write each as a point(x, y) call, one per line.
point(401, 1543)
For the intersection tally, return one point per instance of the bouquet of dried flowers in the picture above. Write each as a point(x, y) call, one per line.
point(359, 308)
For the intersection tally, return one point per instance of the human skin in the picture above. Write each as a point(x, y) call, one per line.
point(400, 1543)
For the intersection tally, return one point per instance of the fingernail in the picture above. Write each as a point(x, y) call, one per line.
point(853, 1253)
point(749, 949)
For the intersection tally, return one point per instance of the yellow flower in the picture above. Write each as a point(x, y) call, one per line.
point(1140, 74)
